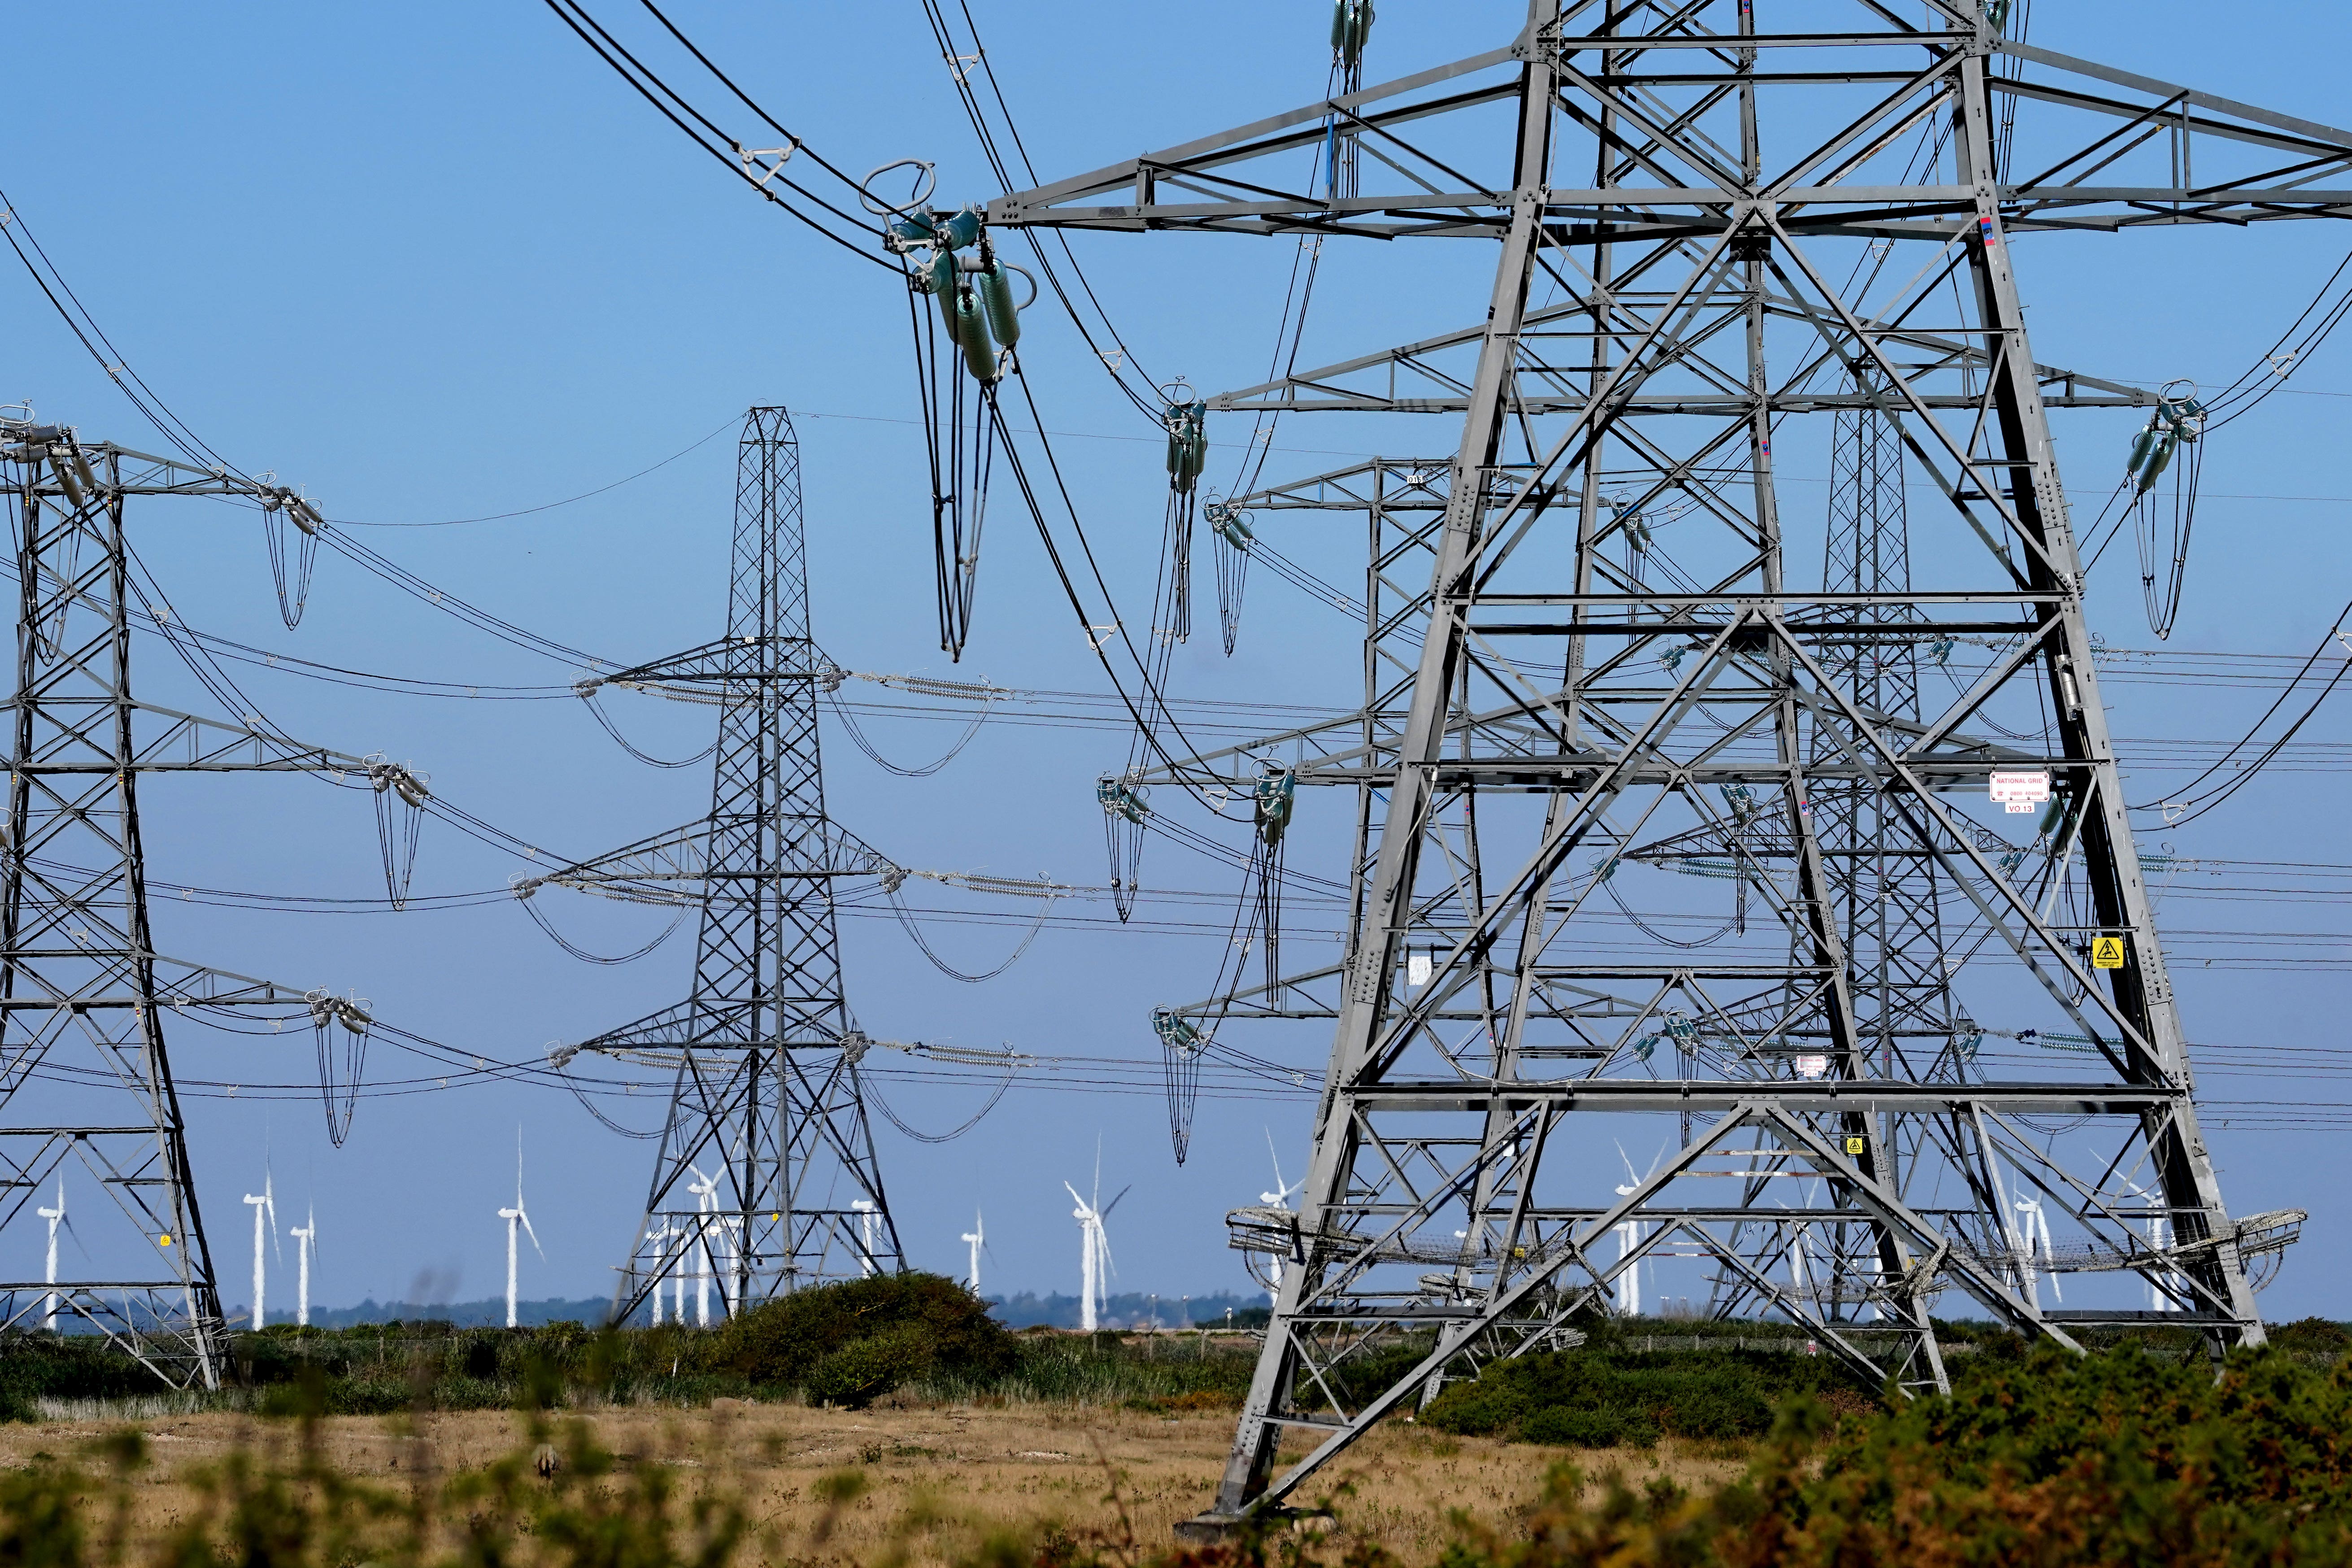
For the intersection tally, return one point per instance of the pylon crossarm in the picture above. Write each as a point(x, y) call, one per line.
point(176, 983)
point(748, 661)
point(71, 737)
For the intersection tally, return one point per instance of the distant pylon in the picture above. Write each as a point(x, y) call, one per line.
point(767, 1101)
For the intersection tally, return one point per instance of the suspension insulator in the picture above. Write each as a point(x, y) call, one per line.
point(1231, 526)
point(913, 231)
point(1196, 446)
point(1276, 793)
point(972, 332)
point(940, 283)
point(994, 286)
point(65, 477)
point(1121, 799)
point(1351, 24)
point(962, 229)
point(1188, 443)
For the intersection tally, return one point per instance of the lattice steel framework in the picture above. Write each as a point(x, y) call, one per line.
point(766, 1173)
point(84, 1074)
point(1586, 661)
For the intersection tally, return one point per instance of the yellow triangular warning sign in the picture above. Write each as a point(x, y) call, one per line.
point(2108, 953)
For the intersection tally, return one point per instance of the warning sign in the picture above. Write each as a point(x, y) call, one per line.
point(2108, 953)
point(2020, 793)
point(1856, 1144)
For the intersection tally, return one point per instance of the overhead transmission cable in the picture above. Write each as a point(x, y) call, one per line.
point(730, 153)
point(2189, 803)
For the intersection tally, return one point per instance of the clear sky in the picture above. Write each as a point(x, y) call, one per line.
point(434, 261)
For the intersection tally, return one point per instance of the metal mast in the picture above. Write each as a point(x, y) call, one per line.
point(1611, 673)
point(83, 993)
point(765, 1177)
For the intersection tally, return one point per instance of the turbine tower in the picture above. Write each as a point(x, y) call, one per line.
point(1595, 661)
point(306, 1236)
point(518, 1216)
point(1094, 1247)
point(56, 1217)
point(976, 1238)
point(765, 1047)
point(265, 1204)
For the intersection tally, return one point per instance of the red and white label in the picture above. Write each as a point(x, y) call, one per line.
point(2021, 792)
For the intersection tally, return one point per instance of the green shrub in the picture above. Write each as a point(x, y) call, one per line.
point(863, 1370)
point(1601, 1398)
point(779, 1344)
point(2309, 1335)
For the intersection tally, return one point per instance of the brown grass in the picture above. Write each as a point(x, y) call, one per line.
point(939, 1478)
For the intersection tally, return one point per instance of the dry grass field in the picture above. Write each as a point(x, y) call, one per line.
point(939, 1479)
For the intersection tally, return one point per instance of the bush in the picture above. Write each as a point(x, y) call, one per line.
point(1601, 1398)
point(2312, 1335)
point(866, 1369)
point(780, 1344)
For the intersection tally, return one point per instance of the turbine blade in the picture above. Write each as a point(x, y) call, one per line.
point(1075, 1198)
point(523, 1214)
point(1277, 1162)
point(1114, 1202)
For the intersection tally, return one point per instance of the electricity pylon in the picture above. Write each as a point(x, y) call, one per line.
point(1612, 671)
point(83, 993)
point(765, 1177)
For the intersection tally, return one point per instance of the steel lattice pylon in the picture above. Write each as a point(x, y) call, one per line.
point(83, 993)
point(765, 1178)
point(1587, 664)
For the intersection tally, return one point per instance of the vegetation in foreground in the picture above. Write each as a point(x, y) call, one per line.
point(2137, 1454)
point(2122, 1458)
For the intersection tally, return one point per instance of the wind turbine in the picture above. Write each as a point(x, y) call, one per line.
point(1629, 1236)
point(54, 1216)
point(977, 1239)
point(1095, 1265)
point(660, 1240)
point(513, 1217)
point(304, 1237)
point(706, 1198)
point(266, 1203)
point(867, 1213)
point(2037, 1224)
point(1280, 1196)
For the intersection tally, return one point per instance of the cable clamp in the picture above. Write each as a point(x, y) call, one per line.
point(760, 173)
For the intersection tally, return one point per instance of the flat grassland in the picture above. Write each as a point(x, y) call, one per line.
point(939, 1479)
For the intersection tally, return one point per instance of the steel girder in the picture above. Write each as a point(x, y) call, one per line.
point(765, 1178)
point(1560, 698)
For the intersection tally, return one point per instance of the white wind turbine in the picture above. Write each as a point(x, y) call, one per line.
point(976, 1239)
point(1629, 1236)
point(306, 1237)
point(514, 1216)
point(659, 1239)
point(266, 1204)
point(1280, 1196)
point(868, 1215)
point(2037, 1225)
point(706, 1199)
point(56, 1216)
point(1094, 1246)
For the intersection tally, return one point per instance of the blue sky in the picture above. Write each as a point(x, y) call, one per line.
point(434, 261)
